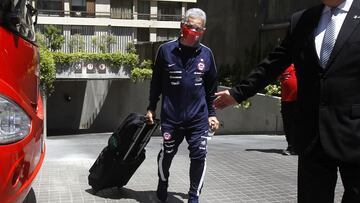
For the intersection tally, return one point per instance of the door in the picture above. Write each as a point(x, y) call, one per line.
point(90, 8)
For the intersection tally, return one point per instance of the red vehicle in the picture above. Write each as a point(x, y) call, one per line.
point(21, 110)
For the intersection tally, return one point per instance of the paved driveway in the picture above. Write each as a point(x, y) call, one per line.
point(240, 168)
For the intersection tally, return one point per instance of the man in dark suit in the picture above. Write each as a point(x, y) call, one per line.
point(324, 45)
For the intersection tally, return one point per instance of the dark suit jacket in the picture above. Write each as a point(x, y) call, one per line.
point(329, 99)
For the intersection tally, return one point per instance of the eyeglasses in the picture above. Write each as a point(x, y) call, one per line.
point(194, 27)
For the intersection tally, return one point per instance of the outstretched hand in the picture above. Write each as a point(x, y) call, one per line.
point(223, 99)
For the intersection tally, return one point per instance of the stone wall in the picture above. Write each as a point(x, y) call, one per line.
point(100, 106)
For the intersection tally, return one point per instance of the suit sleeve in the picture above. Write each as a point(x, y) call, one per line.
point(155, 84)
point(267, 71)
point(211, 84)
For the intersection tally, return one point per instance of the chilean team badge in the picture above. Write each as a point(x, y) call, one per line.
point(201, 65)
point(167, 136)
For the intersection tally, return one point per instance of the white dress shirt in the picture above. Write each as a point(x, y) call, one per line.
point(343, 9)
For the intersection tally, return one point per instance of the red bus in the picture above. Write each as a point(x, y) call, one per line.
point(22, 145)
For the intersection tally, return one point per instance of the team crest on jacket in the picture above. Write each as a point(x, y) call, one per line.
point(167, 136)
point(201, 66)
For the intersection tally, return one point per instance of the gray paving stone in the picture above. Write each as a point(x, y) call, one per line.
point(241, 168)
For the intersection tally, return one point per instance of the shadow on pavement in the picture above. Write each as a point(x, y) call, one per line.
point(140, 196)
point(276, 151)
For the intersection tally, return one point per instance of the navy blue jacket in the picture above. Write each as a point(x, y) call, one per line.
point(187, 81)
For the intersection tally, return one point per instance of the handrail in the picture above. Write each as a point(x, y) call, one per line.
point(133, 15)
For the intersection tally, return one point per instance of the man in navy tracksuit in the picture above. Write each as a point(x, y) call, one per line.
point(185, 75)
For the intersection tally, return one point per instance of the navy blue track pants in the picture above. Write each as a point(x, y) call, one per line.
point(197, 140)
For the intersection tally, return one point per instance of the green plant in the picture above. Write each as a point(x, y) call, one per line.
point(130, 61)
point(104, 42)
point(146, 64)
point(54, 37)
point(116, 59)
point(273, 90)
point(130, 48)
point(41, 40)
point(76, 43)
point(47, 71)
point(49, 60)
point(144, 71)
point(138, 74)
point(109, 40)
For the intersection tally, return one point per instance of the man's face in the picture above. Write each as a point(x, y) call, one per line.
point(196, 23)
point(332, 3)
point(191, 31)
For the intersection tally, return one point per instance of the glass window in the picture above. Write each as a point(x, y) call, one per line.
point(122, 9)
point(50, 7)
point(78, 3)
point(78, 8)
point(143, 10)
point(82, 8)
point(169, 11)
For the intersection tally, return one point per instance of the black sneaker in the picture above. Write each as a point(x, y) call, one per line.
point(161, 191)
point(193, 199)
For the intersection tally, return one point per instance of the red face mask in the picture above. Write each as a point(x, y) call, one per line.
point(190, 37)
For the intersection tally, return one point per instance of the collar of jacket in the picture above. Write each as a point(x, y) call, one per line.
point(178, 46)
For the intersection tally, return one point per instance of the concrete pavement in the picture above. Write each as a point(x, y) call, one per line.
point(240, 168)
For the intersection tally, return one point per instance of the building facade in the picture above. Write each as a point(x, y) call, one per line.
point(91, 22)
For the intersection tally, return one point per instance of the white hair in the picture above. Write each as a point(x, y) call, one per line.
point(195, 13)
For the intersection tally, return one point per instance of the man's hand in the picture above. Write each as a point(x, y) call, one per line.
point(213, 123)
point(150, 116)
point(223, 99)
